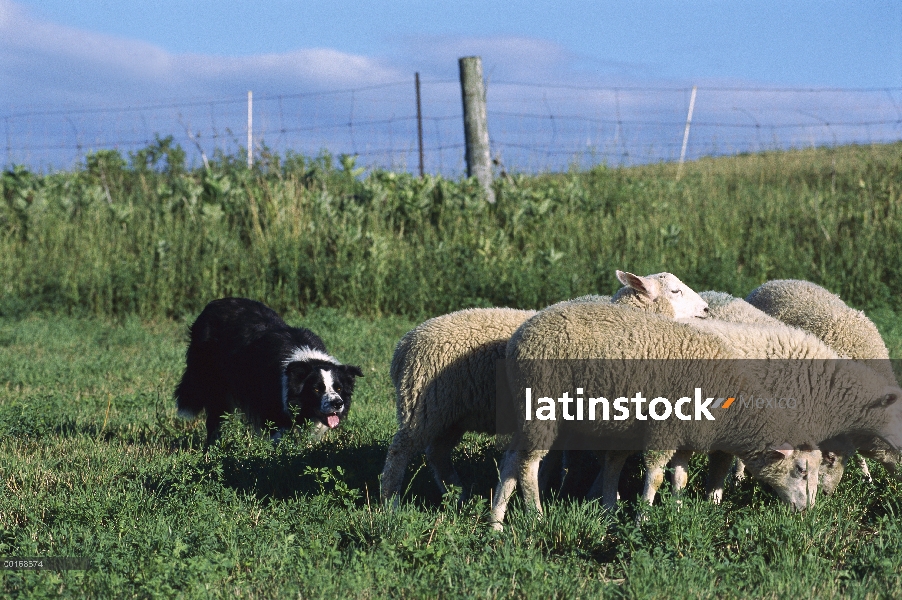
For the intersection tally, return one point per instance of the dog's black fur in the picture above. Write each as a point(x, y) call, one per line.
point(242, 355)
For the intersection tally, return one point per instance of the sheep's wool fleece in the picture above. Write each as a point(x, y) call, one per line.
point(822, 313)
point(725, 307)
point(457, 351)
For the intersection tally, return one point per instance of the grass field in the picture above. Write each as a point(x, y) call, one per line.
point(153, 239)
point(93, 462)
point(103, 267)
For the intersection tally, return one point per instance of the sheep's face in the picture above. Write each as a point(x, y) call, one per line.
point(792, 473)
point(665, 287)
point(833, 465)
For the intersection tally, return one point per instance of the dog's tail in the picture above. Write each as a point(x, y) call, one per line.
point(189, 400)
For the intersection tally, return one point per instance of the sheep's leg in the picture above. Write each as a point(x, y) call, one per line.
point(719, 464)
point(608, 479)
point(551, 465)
point(399, 454)
point(863, 465)
point(528, 474)
point(438, 453)
point(655, 463)
point(507, 483)
point(597, 488)
point(680, 462)
point(888, 458)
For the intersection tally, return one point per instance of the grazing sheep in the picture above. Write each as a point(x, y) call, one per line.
point(444, 377)
point(749, 333)
point(444, 372)
point(822, 313)
point(722, 307)
point(607, 331)
point(752, 334)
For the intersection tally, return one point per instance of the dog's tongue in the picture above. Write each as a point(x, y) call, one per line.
point(332, 421)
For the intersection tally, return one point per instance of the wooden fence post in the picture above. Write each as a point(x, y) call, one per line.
point(419, 124)
point(476, 130)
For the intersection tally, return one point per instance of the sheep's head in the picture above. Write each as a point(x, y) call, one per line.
point(660, 293)
point(833, 465)
point(791, 472)
point(835, 455)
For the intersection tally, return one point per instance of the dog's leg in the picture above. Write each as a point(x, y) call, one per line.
point(214, 421)
point(276, 436)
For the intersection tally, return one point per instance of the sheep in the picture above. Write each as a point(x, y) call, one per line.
point(751, 334)
point(820, 312)
point(725, 307)
point(607, 331)
point(722, 307)
point(444, 377)
point(444, 372)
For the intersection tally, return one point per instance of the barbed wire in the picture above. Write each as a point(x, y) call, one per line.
point(533, 126)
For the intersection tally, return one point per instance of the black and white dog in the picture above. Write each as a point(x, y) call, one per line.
point(242, 355)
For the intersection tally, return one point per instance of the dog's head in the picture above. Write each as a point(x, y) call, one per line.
point(319, 390)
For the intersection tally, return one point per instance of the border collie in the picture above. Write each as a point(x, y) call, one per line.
point(242, 355)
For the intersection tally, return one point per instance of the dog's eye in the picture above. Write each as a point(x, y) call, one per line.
point(337, 388)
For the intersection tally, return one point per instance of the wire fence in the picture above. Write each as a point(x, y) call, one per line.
point(532, 127)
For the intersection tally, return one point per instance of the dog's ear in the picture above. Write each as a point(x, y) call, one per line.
point(352, 370)
point(298, 371)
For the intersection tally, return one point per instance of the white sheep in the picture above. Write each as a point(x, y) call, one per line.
point(725, 307)
point(444, 372)
point(722, 307)
point(607, 331)
point(822, 313)
point(444, 377)
point(751, 334)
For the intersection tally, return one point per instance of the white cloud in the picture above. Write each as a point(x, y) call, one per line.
point(44, 64)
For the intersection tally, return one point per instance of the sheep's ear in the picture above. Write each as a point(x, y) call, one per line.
point(780, 453)
point(886, 400)
point(644, 285)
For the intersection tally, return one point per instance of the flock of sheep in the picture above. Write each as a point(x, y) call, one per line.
point(444, 373)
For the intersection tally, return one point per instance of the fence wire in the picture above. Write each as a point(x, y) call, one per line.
point(532, 127)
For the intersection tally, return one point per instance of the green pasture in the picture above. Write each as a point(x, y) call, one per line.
point(103, 268)
point(94, 462)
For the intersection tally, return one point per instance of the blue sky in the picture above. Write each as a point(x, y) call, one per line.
point(73, 55)
point(786, 43)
